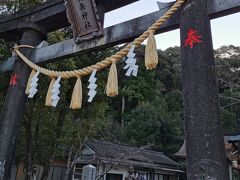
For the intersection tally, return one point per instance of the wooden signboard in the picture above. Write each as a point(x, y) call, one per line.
point(84, 19)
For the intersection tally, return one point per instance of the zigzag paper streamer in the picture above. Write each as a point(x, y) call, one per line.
point(92, 86)
point(33, 85)
point(55, 92)
point(132, 68)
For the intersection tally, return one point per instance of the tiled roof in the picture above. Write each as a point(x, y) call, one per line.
point(130, 155)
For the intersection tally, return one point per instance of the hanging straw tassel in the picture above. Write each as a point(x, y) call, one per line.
point(112, 83)
point(76, 101)
point(151, 54)
point(29, 81)
point(48, 101)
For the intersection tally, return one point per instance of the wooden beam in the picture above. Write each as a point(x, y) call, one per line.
point(50, 16)
point(121, 33)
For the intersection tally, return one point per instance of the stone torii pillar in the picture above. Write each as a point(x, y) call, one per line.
point(206, 157)
point(14, 106)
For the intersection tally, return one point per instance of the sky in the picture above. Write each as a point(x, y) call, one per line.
point(225, 30)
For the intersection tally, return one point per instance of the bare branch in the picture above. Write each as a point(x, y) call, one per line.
point(122, 157)
point(230, 105)
point(231, 98)
point(229, 83)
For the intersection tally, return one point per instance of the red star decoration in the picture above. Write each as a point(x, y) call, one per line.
point(13, 80)
point(192, 37)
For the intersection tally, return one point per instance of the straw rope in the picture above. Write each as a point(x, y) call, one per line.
point(107, 61)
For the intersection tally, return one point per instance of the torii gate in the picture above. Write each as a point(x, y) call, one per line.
point(206, 157)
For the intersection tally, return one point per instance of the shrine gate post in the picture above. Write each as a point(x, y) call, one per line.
point(14, 106)
point(206, 157)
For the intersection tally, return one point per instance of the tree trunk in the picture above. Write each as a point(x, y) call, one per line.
point(35, 138)
point(206, 158)
point(30, 153)
point(123, 110)
point(69, 164)
point(46, 169)
point(60, 122)
point(58, 128)
point(14, 107)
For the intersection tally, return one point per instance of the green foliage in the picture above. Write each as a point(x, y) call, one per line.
point(229, 121)
point(143, 125)
point(18, 5)
point(151, 124)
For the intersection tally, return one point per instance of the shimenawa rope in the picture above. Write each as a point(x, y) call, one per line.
point(107, 61)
